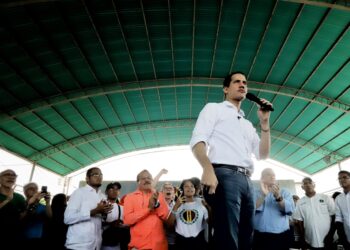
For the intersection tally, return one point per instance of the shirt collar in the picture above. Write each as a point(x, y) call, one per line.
point(229, 104)
point(88, 187)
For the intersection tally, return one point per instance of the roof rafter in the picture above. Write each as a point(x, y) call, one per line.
point(132, 66)
point(111, 89)
point(189, 123)
point(215, 46)
point(262, 38)
point(301, 113)
point(172, 56)
point(153, 64)
point(240, 35)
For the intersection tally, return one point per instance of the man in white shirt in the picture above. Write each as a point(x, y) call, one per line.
point(227, 168)
point(315, 217)
point(342, 211)
point(86, 208)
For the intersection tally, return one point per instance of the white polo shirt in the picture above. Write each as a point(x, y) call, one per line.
point(231, 138)
point(342, 212)
point(315, 212)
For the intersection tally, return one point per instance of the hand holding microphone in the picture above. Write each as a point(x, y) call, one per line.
point(264, 106)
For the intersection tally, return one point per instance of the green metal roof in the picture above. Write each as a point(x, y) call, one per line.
point(82, 81)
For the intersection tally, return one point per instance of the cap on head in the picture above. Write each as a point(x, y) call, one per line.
point(113, 184)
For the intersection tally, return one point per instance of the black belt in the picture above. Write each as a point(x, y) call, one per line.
point(239, 169)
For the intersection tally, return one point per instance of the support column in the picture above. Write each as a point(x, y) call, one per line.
point(32, 172)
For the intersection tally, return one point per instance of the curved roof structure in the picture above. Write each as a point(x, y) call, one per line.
point(82, 81)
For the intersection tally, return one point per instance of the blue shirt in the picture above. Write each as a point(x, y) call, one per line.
point(35, 223)
point(270, 217)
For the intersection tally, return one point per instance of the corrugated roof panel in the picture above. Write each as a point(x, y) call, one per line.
point(126, 142)
point(81, 76)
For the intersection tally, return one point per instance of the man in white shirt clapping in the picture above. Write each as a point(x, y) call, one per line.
point(86, 208)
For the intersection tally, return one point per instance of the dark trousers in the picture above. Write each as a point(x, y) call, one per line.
point(191, 243)
point(271, 241)
point(233, 210)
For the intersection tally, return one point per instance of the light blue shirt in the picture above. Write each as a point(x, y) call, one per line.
point(270, 217)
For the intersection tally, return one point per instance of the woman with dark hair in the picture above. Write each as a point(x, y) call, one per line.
point(57, 229)
point(190, 217)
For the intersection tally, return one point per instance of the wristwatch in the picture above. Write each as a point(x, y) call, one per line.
point(279, 199)
point(157, 204)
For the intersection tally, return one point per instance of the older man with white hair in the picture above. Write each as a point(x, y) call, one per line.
point(274, 205)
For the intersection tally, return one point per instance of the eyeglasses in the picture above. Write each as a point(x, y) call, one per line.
point(96, 175)
point(9, 175)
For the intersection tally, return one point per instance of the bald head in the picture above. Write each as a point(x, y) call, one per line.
point(144, 180)
point(8, 178)
point(268, 176)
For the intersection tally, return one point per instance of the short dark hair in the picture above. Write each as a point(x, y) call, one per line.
point(227, 79)
point(307, 179)
point(88, 173)
point(344, 172)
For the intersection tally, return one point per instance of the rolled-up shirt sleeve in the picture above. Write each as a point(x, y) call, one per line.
point(338, 214)
point(288, 202)
point(205, 125)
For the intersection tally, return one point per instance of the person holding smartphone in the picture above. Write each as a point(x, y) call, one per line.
point(38, 212)
point(190, 216)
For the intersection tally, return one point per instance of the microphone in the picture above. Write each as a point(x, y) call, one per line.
point(257, 100)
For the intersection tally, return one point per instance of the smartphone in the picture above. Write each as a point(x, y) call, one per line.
point(44, 189)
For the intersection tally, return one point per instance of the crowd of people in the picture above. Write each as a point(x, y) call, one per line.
point(222, 211)
point(174, 218)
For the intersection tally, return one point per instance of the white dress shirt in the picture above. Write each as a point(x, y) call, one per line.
point(342, 212)
point(315, 212)
point(84, 231)
point(231, 138)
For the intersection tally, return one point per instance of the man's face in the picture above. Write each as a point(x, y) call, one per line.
point(237, 88)
point(168, 191)
point(268, 177)
point(95, 178)
point(145, 181)
point(344, 180)
point(308, 186)
point(30, 191)
point(8, 178)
